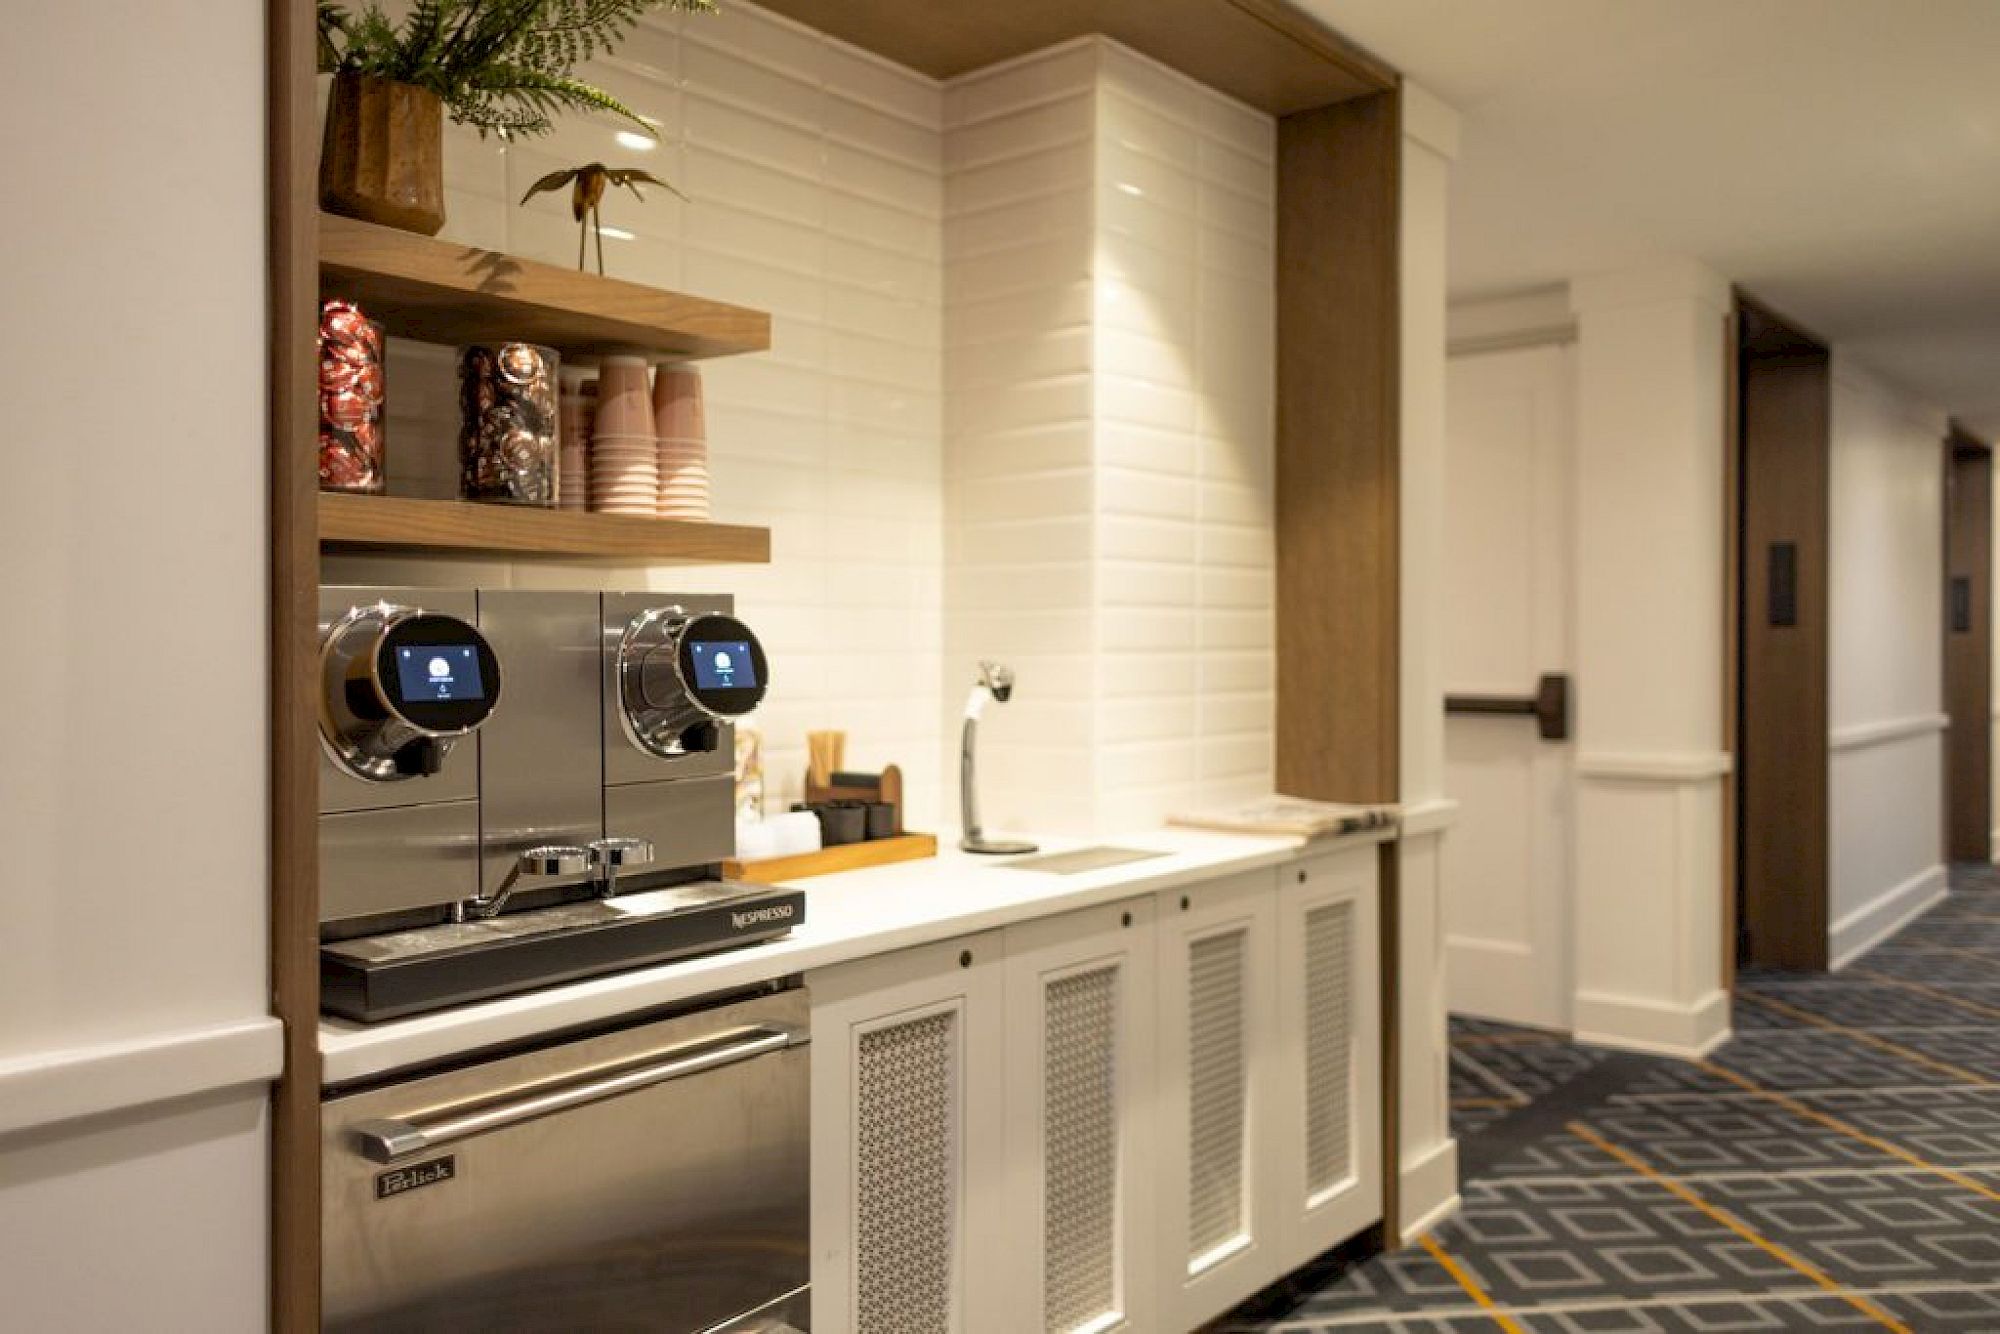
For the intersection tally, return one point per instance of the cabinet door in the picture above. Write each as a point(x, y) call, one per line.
point(906, 1139)
point(1328, 1171)
point(1217, 997)
point(1079, 1081)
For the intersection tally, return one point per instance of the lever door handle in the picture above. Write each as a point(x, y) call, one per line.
point(1549, 706)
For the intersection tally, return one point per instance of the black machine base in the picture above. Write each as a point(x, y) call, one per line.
point(431, 968)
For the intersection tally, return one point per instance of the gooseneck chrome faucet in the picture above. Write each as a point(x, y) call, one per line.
point(996, 682)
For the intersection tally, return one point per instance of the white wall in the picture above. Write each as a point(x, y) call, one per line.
point(1651, 360)
point(1109, 271)
point(1885, 672)
point(133, 745)
point(1429, 1166)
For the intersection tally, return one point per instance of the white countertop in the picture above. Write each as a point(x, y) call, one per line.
point(848, 916)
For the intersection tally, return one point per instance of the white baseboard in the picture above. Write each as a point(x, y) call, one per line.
point(1874, 922)
point(1427, 1190)
point(1633, 1024)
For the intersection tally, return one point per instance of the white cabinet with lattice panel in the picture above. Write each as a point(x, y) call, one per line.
point(1217, 1006)
point(1327, 1178)
point(907, 1138)
point(1080, 1013)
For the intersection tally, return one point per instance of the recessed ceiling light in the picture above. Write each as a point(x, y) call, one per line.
point(1130, 188)
point(618, 234)
point(637, 142)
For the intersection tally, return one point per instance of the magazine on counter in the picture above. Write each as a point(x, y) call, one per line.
point(1279, 814)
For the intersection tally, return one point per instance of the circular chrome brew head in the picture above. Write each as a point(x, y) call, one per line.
point(554, 859)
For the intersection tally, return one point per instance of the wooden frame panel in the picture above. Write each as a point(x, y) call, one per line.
point(294, 485)
point(1338, 529)
point(1338, 441)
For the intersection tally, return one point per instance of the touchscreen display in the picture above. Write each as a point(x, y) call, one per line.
point(439, 672)
point(724, 665)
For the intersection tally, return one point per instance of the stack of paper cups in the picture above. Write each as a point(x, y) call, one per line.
point(682, 429)
point(575, 411)
point(624, 453)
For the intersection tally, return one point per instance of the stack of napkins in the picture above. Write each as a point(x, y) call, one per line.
point(1279, 814)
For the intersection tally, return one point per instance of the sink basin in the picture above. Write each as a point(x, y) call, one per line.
point(1079, 860)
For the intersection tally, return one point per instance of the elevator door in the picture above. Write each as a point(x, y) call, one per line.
point(1507, 594)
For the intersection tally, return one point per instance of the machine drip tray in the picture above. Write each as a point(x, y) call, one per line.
point(1079, 860)
point(430, 968)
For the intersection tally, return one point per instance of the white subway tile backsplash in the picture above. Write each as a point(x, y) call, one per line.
point(1248, 174)
point(1064, 215)
point(857, 218)
point(717, 75)
point(888, 88)
point(1034, 403)
point(1162, 404)
point(759, 35)
point(999, 89)
point(1026, 132)
point(1060, 539)
point(1137, 126)
point(1029, 314)
point(1147, 493)
point(909, 186)
point(1011, 408)
point(1126, 212)
point(1027, 266)
point(1068, 167)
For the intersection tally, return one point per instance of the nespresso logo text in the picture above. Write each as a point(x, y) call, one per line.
point(781, 912)
point(401, 1180)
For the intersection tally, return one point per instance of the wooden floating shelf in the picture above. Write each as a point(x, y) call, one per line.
point(442, 292)
point(514, 532)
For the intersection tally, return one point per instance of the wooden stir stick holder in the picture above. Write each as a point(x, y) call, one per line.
point(837, 785)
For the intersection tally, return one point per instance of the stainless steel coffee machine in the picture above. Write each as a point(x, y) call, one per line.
point(520, 788)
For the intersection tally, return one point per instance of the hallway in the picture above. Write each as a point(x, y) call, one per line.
point(1835, 1166)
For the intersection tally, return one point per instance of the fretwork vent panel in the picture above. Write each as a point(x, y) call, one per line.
point(1217, 1091)
point(1329, 1043)
point(905, 1176)
point(1080, 1148)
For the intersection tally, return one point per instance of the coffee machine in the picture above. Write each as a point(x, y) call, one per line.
point(521, 787)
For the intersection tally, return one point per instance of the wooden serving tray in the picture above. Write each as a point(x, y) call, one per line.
point(826, 861)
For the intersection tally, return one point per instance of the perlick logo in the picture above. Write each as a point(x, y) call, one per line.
point(405, 1179)
point(781, 912)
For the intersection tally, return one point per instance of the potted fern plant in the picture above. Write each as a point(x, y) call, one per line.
point(502, 66)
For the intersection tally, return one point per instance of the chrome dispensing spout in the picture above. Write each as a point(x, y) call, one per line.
point(548, 859)
point(996, 682)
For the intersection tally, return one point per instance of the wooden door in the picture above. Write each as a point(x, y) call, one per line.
point(1782, 757)
point(1508, 585)
point(1968, 651)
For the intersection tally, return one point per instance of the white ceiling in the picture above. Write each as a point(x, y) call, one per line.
point(1840, 159)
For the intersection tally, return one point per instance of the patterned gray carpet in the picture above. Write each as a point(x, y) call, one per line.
point(1836, 1166)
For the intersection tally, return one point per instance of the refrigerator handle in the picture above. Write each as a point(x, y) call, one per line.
point(385, 1141)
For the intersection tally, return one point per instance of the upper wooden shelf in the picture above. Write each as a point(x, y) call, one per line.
point(514, 532)
point(442, 292)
